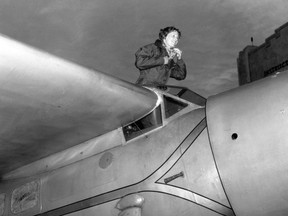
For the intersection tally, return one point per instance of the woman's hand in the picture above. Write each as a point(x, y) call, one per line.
point(177, 52)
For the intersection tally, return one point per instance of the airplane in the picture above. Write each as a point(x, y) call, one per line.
point(78, 142)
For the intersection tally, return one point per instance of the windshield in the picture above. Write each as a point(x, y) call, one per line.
point(172, 106)
point(143, 125)
point(186, 94)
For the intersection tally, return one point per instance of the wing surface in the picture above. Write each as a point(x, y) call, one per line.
point(48, 104)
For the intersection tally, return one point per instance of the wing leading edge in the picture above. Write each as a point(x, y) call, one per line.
point(49, 104)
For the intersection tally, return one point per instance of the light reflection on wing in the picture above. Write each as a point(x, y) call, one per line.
point(48, 104)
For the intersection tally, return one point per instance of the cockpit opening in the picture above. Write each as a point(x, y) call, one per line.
point(170, 105)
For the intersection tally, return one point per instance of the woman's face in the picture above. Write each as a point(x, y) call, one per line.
point(171, 39)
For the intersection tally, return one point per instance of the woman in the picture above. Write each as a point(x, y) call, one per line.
point(160, 60)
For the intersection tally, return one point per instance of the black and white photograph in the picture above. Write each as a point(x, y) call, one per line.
point(143, 108)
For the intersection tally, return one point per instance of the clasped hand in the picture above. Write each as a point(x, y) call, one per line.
point(175, 51)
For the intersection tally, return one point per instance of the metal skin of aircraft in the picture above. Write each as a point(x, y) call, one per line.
point(78, 142)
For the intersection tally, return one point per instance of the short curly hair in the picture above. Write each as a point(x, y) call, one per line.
point(164, 32)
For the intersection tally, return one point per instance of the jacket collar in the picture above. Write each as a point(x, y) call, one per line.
point(159, 44)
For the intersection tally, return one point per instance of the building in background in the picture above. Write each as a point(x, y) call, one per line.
point(256, 62)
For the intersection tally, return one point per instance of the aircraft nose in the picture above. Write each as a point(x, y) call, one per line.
point(248, 134)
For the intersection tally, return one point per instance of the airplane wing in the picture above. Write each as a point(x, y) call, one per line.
point(48, 104)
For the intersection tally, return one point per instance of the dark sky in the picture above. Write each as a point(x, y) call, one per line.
point(105, 34)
